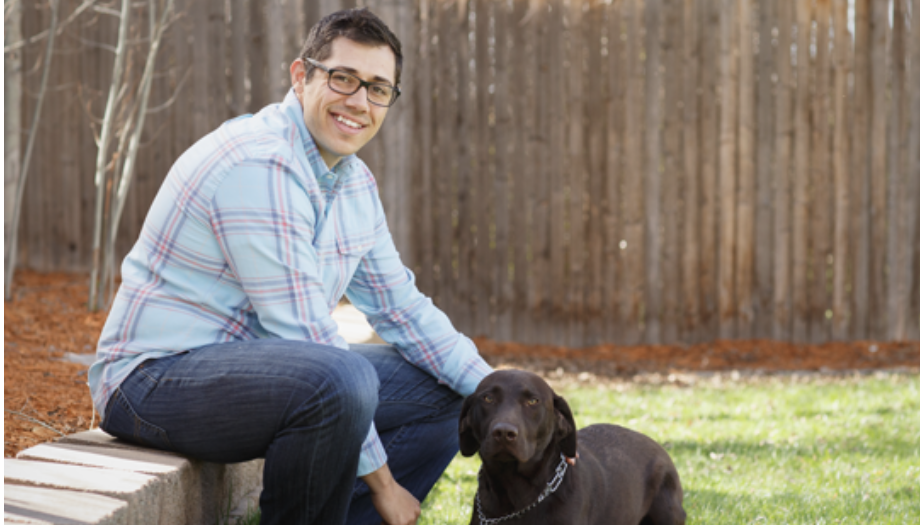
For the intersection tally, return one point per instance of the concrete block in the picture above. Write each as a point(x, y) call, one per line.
point(13, 518)
point(98, 437)
point(55, 506)
point(184, 490)
point(141, 492)
point(147, 461)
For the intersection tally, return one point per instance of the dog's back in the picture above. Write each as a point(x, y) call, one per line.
point(623, 456)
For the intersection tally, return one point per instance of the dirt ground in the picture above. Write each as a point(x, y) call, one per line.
point(45, 396)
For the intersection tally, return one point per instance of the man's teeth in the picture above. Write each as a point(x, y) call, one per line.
point(346, 122)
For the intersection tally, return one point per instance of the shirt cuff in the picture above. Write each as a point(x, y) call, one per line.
point(373, 456)
point(467, 367)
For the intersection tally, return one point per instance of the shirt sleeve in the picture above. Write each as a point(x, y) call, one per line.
point(385, 291)
point(264, 222)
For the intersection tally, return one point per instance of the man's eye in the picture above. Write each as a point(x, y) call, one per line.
point(342, 78)
point(380, 90)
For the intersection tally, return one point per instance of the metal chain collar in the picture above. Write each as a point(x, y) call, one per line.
point(551, 487)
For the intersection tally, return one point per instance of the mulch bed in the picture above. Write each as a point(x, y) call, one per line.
point(45, 396)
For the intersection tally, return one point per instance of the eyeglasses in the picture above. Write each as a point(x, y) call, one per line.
point(378, 93)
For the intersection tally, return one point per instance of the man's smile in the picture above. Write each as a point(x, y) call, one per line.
point(351, 124)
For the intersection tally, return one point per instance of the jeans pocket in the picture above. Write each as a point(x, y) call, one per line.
point(122, 421)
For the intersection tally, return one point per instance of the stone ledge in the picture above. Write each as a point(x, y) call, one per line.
point(94, 478)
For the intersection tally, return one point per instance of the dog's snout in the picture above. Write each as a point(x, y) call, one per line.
point(503, 432)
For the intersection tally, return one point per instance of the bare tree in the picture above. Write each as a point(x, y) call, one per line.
point(124, 116)
point(10, 255)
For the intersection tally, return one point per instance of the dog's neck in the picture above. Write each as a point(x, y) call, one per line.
point(507, 487)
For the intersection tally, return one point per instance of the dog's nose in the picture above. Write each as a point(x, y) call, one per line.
point(504, 432)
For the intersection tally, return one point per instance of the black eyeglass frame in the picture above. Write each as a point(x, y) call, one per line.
point(361, 83)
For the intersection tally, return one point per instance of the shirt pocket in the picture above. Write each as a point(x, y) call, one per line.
point(350, 250)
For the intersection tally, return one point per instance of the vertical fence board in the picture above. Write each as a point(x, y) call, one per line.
point(634, 274)
point(878, 169)
point(841, 307)
point(524, 128)
point(652, 189)
point(613, 254)
point(860, 141)
point(709, 32)
point(576, 168)
point(912, 286)
point(728, 167)
point(595, 111)
point(423, 155)
point(745, 232)
point(802, 175)
point(782, 280)
point(502, 284)
point(690, 320)
point(763, 214)
point(484, 170)
point(673, 168)
point(821, 188)
point(896, 252)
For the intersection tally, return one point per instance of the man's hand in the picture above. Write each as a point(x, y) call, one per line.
point(393, 502)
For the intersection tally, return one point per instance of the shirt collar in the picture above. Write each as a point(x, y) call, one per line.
point(294, 109)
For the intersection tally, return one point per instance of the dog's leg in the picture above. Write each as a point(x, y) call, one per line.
point(667, 505)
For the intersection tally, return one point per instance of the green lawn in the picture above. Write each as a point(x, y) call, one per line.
point(770, 450)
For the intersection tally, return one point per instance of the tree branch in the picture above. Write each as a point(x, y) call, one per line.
point(39, 36)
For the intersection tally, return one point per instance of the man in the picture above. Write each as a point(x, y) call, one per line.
point(220, 344)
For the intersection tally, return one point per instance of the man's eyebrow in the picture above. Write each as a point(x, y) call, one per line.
point(353, 71)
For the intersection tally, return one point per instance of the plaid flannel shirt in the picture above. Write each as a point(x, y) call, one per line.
point(252, 236)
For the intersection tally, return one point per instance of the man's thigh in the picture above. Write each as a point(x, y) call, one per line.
point(407, 393)
point(227, 402)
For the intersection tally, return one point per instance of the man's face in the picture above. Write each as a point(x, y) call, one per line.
point(342, 124)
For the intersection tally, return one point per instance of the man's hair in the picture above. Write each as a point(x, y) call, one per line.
point(358, 25)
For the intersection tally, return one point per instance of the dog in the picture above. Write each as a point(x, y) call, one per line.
point(524, 433)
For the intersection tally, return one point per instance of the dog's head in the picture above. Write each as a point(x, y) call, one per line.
point(515, 416)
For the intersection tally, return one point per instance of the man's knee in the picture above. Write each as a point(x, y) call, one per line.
point(353, 384)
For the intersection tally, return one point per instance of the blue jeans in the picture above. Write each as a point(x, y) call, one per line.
point(306, 408)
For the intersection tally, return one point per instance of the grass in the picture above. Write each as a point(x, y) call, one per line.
point(770, 450)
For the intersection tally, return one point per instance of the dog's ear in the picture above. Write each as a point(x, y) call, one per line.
point(565, 427)
point(469, 445)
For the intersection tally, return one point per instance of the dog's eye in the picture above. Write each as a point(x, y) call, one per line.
point(533, 401)
point(488, 399)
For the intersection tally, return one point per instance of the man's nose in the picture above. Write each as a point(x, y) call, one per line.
point(504, 432)
point(358, 99)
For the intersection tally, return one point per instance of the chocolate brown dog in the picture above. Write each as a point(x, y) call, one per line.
point(524, 432)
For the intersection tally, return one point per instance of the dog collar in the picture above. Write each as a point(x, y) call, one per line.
point(551, 487)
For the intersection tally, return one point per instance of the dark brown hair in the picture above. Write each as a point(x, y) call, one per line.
point(357, 25)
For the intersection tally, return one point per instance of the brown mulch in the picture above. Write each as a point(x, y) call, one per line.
point(45, 396)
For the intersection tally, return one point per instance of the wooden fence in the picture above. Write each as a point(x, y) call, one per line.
point(572, 172)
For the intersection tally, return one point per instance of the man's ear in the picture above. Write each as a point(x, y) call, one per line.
point(469, 444)
point(298, 74)
point(565, 427)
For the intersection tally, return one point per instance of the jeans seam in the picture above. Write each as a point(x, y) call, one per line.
point(138, 421)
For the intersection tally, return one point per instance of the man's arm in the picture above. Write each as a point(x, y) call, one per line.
point(385, 291)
